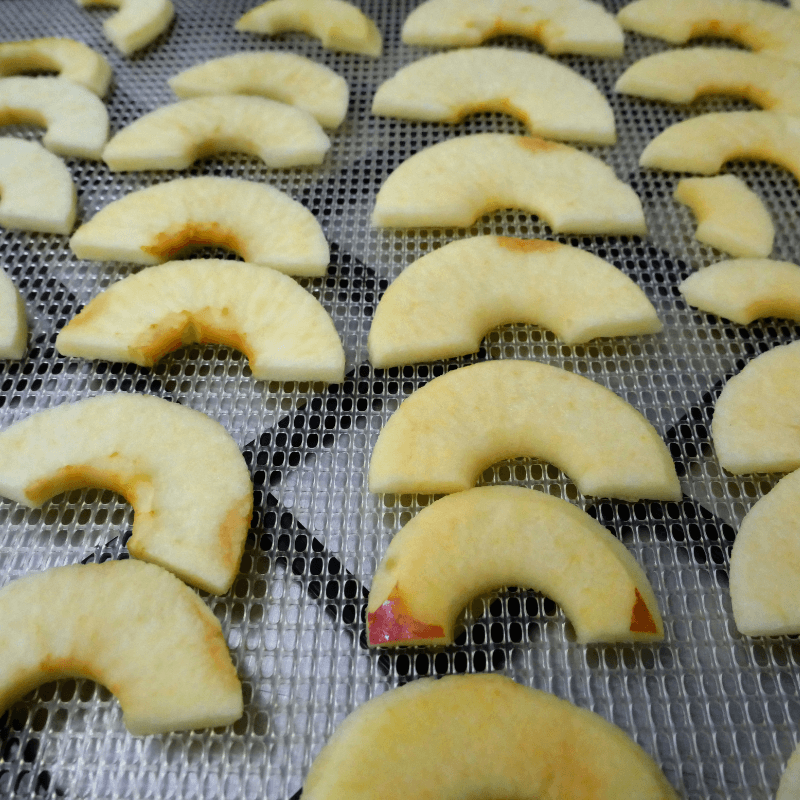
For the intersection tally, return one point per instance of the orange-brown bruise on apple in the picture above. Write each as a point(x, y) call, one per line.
point(79, 476)
point(641, 619)
point(536, 144)
point(393, 622)
point(173, 241)
point(515, 245)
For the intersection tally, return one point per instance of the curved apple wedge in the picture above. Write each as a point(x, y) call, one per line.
point(130, 626)
point(137, 22)
point(13, 324)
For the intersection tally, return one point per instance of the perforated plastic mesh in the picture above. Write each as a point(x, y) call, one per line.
point(718, 712)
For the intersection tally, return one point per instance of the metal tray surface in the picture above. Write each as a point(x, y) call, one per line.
point(719, 712)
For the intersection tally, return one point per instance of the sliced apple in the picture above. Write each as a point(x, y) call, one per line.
point(337, 24)
point(286, 77)
point(151, 226)
point(442, 305)
point(75, 118)
point(455, 182)
point(136, 24)
point(74, 61)
point(36, 189)
point(480, 736)
point(561, 26)
point(180, 470)
point(789, 786)
point(130, 626)
point(13, 325)
point(442, 437)
point(553, 100)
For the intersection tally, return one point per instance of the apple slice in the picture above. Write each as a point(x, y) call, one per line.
point(36, 189)
point(283, 330)
point(561, 26)
point(75, 118)
point(286, 77)
point(442, 437)
point(175, 136)
point(455, 182)
point(551, 99)
point(180, 470)
point(151, 226)
point(337, 24)
point(789, 786)
point(130, 626)
point(136, 24)
point(482, 539)
point(442, 305)
point(74, 61)
point(470, 736)
point(13, 325)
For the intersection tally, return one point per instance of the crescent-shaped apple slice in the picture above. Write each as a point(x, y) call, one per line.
point(151, 226)
point(789, 786)
point(455, 182)
point(75, 118)
point(755, 427)
point(447, 432)
point(480, 736)
point(285, 77)
point(180, 470)
point(337, 24)
point(175, 136)
point(136, 24)
point(36, 189)
point(442, 305)
point(553, 101)
point(482, 539)
point(130, 626)
point(764, 27)
point(561, 26)
point(74, 61)
point(283, 330)
point(13, 325)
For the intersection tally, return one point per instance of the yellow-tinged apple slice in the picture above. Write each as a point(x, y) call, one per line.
point(337, 24)
point(180, 470)
point(283, 330)
point(442, 437)
point(553, 100)
point(755, 427)
point(442, 305)
point(482, 539)
point(74, 61)
point(455, 182)
point(136, 23)
point(746, 289)
point(286, 77)
point(789, 786)
point(36, 189)
point(480, 736)
point(175, 136)
point(151, 226)
point(13, 325)
point(730, 216)
point(762, 26)
point(561, 26)
point(130, 626)
point(75, 118)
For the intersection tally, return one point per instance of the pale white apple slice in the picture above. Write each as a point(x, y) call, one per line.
point(755, 427)
point(136, 24)
point(286, 77)
point(762, 26)
point(442, 305)
point(75, 118)
point(442, 437)
point(283, 330)
point(789, 786)
point(561, 26)
point(36, 189)
point(130, 626)
point(730, 216)
point(480, 736)
point(553, 100)
point(180, 470)
point(482, 539)
point(455, 182)
point(151, 226)
point(337, 24)
point(746, 289)
point(13, 325)
point(703, 144)
point(73, 60)
point(175, 136)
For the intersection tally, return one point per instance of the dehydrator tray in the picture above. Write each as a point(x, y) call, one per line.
point(719, 712)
